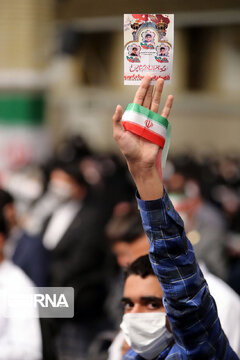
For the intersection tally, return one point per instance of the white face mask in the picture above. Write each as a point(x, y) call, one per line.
point(146, 333)
point(60, 189)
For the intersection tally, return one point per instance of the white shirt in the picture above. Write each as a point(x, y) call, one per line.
point(114, 351)
point(59, 223)
point(228, 306)
point(20, 337)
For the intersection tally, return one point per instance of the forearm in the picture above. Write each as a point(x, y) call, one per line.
point(147, 180)
point(169, 247)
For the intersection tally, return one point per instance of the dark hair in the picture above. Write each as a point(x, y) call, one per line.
point(125, 227)
point(73, 170)
point(162, 48)
point(148, 35)
point(3, 224)
point(5, 198)
point(141, 266)
point(134, 48)
point(72, 149)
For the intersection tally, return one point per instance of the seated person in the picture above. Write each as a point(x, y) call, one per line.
point(191, 327)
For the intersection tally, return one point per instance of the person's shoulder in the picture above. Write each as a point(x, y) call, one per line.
point(25, 239)
point(15, 276)
point(221, 289)
point(31, 242)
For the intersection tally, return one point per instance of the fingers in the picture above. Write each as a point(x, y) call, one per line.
point(157, 95)
point(148, 97)
point(142, 90)
point(117, 123)
point(167, 107)
point(144, 96)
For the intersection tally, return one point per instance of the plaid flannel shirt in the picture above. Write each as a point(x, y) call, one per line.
point(189, 306)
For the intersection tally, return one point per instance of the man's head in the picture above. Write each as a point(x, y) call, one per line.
point(134, 50)
point(148, 37)
point(67, 182)
point(127, 236)
point(142, 290)
point(162, 50)
point(145, 325)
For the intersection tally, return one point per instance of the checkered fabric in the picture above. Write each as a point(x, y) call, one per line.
point(189, 306)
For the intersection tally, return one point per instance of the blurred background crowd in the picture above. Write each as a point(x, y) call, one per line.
point(64, 186)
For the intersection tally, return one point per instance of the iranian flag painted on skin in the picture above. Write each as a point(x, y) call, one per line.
point(149, 125)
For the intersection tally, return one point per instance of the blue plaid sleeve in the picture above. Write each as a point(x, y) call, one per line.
point(189, 306)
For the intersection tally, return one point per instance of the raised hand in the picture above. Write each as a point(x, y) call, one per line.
point(137, 150)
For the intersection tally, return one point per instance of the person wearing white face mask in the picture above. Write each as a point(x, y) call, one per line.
point(128, 240)
point(75, 239)
point(191, 310)
point(145, 325)
point(69, 189)
point(66, 185)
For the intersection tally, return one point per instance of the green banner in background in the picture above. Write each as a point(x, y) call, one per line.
point(22, 109)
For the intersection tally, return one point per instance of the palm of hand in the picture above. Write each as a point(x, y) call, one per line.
point(137, 149)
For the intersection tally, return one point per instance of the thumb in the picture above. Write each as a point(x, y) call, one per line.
point(117, 117)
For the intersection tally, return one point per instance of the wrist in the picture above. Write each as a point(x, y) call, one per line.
point(141, 172)
point(147, 180)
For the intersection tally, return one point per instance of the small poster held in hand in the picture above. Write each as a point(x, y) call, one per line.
point(148, 47)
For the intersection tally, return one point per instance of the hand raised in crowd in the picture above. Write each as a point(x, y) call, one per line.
point(141, 154)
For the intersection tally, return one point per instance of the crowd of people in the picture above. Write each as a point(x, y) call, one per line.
point(82, 229)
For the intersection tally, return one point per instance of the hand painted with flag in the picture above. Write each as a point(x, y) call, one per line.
point(143, 156)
